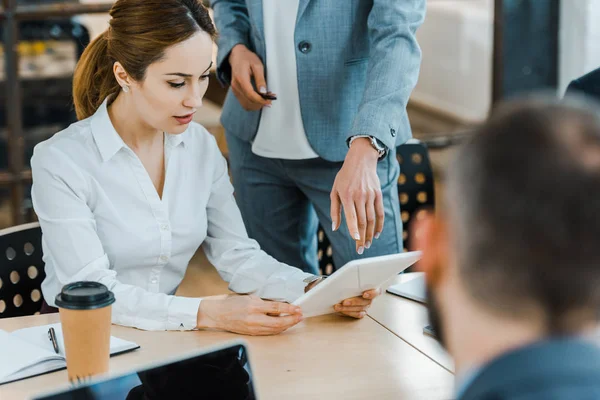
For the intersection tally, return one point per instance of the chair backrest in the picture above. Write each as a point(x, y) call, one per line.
point(415, 191)
point(415, 184)
point(21, 270)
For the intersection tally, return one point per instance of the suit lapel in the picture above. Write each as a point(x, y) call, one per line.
point(301, 7)
point(255, 8)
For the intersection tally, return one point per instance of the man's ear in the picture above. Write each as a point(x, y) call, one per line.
point(431, 237)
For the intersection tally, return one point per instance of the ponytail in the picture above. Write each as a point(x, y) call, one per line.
point(94, 79)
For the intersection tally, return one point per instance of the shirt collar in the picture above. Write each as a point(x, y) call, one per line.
point(106, 137)
point(175, 140)
point(109, 142)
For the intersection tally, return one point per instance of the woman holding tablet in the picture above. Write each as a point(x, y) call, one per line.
point(126, 195)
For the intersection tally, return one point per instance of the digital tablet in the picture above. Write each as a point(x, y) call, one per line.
point(352, 280)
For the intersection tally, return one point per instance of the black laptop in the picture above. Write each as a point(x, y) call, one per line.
point(218, 373)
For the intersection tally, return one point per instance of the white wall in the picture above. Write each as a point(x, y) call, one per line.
point(457, 39)
point(579, 39)
point(457, 43)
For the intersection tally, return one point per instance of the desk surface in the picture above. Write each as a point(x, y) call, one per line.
point(323, 357)
point(406, 319)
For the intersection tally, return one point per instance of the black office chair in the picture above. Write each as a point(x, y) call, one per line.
point(21, 270)
point(415, 192)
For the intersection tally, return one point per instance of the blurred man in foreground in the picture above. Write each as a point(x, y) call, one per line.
point(513, 260)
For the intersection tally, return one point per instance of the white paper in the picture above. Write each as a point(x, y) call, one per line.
point(38, 335)
point(17, 354)
point(29, 351)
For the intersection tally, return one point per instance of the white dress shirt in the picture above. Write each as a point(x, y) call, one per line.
point(281, 130)
point(102, 220)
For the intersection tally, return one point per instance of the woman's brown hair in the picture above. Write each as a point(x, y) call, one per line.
point(139, 33)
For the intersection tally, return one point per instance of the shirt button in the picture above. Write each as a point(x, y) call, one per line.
point(304, 47)
point(164, 258)
point(164, 227)
point(154, 280)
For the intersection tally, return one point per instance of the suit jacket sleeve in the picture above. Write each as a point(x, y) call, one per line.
point(393, 69)
point(574, 87)
point(233, 25)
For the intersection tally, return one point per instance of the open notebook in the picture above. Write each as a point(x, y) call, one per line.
point(28, 352)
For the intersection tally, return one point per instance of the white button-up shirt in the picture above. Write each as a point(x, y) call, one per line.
point(281, 130)
point(102, 220)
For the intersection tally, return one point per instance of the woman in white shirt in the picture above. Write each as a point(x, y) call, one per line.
point(126, 195)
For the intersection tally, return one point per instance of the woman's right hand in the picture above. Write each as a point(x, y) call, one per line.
point(247, 314)
point(246, 65)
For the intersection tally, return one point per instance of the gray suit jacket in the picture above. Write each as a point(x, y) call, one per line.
point(357, 61)
point(563, 369)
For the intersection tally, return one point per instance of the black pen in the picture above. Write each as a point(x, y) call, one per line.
point(52, 337)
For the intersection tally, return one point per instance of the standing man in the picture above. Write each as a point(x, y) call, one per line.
point(324, 149)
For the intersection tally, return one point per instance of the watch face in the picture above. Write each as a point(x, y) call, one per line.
point(378, 146)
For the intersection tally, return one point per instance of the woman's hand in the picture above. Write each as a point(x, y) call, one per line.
point(356, 307)
point(247, 314)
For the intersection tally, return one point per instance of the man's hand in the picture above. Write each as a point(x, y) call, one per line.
point(358, 190)
point(246, 65)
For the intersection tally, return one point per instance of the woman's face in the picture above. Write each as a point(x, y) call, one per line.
point(173, 87)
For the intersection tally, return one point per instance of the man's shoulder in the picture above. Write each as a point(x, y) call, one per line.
point(568, 369)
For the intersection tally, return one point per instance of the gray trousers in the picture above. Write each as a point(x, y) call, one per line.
point(283, 201)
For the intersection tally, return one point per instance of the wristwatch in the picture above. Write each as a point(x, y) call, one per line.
point(375, 143)
point(309, 280)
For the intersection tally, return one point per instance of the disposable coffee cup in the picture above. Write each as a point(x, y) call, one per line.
point(85, 316)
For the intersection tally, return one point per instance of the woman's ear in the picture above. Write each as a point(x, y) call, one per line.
point(121, 75)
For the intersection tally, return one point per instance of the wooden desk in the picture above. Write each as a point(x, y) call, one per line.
point(406, 319)
point(324, 357)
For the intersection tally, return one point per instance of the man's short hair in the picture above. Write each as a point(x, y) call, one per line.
point(524, 204)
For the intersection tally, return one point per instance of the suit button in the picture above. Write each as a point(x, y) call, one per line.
point(304, 47)
point(393, 132)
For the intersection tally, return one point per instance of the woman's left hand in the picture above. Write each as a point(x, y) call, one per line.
point(356, 307)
